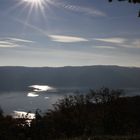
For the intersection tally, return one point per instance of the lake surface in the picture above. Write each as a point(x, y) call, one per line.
point(40, 97)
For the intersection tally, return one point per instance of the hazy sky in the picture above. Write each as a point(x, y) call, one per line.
point(69, 32)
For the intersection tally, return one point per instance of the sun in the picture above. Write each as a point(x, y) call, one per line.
point(35, 3)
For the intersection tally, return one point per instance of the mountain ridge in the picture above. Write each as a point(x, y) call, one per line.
point(19, 77)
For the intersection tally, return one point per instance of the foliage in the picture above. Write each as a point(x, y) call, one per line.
point(96, 115)
point(1, 112)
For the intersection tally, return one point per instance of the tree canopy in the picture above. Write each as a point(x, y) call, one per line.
point(101, 112)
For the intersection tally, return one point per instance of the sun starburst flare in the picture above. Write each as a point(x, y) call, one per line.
point(36, 3)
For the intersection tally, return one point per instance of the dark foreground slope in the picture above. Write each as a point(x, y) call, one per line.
point(19, 78)
point(101, 115)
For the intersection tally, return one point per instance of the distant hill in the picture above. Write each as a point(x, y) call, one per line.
point(19, 78)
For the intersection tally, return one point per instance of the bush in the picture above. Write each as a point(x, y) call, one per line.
point(96, 115)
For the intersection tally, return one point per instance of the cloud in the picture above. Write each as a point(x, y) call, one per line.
point(120, 42)
point(20, 40)
point(7, 46)
point(66, 39)
point(86, 10)
point(105, 47)
point(81, 9)
point(133, 43)
point(9, 42)
point(136, 43)
point(111, 40)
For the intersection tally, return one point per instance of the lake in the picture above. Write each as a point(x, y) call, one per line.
point(41, 97)
point(37, 97)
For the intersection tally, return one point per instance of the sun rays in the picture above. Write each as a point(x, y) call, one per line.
point(35, 4)
point(34, 1)
point(29, 10)
point(29, 7)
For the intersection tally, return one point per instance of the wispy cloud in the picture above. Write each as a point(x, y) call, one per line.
point(104, 47)
point(81, 9)
point(66, 39)
point(7, 45)
point(120, 42)
point(20, 40)
point(86, 10)
point(134, 43)
point(111, 40)
point(9, 42)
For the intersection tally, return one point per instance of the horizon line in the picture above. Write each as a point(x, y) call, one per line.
point(106, 65)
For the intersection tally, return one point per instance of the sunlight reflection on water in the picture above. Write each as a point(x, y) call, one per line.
point(25, 115)
point(37, 89)
point(22, 114)
point(32, 94)
point(31, 100)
